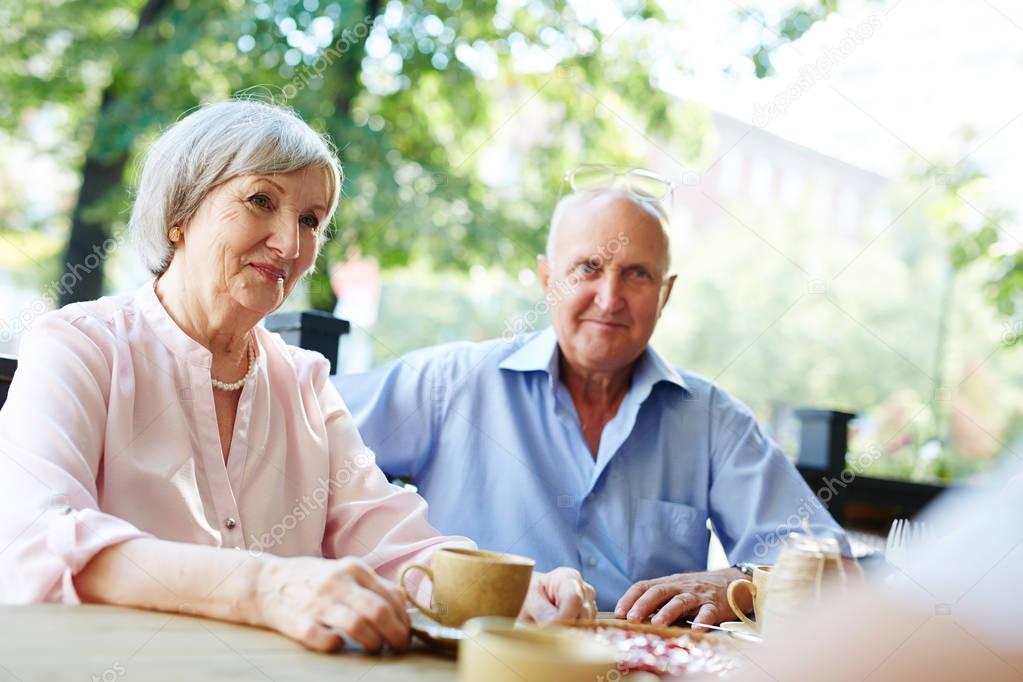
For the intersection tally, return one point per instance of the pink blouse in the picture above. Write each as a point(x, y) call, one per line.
point(109, 433)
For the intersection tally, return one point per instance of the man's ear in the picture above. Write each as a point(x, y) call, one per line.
point(543, 269)
point(667, 294)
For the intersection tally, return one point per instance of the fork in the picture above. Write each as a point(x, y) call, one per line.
point(902, 539)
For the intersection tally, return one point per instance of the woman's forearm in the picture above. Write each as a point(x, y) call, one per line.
point(177, 578)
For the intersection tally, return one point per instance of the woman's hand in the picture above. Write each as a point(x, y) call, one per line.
point(561, 596)
point(311, 599)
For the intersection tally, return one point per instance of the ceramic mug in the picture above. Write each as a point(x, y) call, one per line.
point(758, 590)
point(471, 582)
point(497, 650)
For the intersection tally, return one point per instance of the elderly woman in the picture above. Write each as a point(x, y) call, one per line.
point(162, 450)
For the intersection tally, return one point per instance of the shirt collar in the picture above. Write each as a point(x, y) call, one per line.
point(539, 353)
point(651, 369)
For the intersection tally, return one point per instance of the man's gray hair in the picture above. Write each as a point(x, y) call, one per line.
point(210, 146)
point(649, 204)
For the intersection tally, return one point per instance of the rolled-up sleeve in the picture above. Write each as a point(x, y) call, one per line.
point(51, 444)
point(367, 516)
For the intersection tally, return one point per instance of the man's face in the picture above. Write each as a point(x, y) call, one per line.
point(605, 281)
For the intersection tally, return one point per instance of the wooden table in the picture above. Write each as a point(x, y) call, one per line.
point(109, 644)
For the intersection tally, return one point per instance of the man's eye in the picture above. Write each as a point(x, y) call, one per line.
point(587, 268)
point(639, 274)
point(261, 200)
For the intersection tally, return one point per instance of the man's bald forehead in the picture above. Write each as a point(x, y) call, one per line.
point(601, 200)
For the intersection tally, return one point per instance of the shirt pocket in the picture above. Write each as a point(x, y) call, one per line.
point(666, 538)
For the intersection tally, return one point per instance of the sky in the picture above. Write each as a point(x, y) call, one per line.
point(921, 72)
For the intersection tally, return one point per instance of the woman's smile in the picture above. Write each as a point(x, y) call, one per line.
point(270, 273)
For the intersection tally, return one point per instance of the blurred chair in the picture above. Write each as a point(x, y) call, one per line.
point(312, 330)
point(855, 500)
point(8, 364)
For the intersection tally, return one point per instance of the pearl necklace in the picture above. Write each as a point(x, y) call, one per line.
point(234, 386)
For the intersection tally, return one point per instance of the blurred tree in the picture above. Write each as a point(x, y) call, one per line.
point(410, 90)
point(982, 235)
point(884, 338)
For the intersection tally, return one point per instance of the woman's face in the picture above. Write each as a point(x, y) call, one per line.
point(254, 236)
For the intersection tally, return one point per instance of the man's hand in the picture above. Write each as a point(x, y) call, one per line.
point(683, 595)
point(561, 596)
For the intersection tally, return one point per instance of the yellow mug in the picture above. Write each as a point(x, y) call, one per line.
point(496, 650)
point(468, 583)
point(758, 590)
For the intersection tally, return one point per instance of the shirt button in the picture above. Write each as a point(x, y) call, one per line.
point(230, 523)
point(591, 562)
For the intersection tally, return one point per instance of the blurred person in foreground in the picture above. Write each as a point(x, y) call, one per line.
point(162, 450)
point(579, 445)
point(951, 610)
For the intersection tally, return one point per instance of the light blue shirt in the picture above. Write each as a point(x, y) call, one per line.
point(492, 439)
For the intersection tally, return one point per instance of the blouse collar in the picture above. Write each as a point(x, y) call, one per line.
point(167, 330)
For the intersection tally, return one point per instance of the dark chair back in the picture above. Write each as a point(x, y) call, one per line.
point(8, 364)
point(312, 330)
point(855, 500)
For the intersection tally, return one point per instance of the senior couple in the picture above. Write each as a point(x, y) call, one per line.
point(150, 440)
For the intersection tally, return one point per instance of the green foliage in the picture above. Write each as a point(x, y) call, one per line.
point(411, 117)
point(982, 235)
point(427, 308)
point(790, 28)
point(897, 335)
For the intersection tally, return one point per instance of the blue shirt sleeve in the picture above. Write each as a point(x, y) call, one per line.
point(395, 408)
point(757, 496)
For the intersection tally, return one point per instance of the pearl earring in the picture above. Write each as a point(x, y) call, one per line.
point(174, 234)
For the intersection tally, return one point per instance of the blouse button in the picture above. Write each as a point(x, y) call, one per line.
point(230, 523)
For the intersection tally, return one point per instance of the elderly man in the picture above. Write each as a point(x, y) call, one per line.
point(579, 445)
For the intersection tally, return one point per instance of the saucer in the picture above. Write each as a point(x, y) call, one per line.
point(740, 630)
point(435, 635)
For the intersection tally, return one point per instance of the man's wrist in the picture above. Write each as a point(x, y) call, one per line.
point(745, 568)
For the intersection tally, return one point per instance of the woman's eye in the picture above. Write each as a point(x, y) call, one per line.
point(261, 200)
point(310, 221)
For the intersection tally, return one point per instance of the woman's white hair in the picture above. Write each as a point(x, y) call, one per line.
point(210, 146)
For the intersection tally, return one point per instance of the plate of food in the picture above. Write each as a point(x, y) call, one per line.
point(661, 651)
